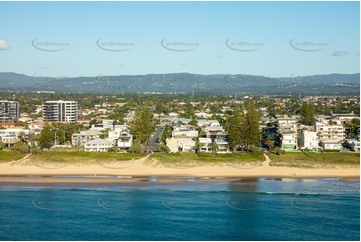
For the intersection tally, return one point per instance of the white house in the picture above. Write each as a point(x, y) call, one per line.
point(289, 140)
point(331, 144)
point(125, 139)
point(181, 131)
point(79, 139)
point(308, 140)
point(205, 144)
point(98, 145)
point(186, 144)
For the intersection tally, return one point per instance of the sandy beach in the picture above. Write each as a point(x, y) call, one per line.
point(139, 170)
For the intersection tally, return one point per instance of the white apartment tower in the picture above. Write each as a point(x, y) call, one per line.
point(60, 111)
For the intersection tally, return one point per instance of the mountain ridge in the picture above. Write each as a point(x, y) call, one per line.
point(334, 83)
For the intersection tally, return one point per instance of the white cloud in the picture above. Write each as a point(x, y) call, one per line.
point(339, 53)
point(4, 45)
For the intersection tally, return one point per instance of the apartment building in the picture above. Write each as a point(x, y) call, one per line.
point(60, 111)
point(308, 140)
point(287, 130)
point(326, 131)
point(9, 111)
point(330, 136)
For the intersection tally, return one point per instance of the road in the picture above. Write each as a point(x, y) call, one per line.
point(152, 141)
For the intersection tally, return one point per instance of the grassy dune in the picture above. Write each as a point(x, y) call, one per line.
point(7, 156)
point(79, 157)
point(192, 159)
point(316, 160)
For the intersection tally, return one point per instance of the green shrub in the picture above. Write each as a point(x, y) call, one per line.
point(20, 147)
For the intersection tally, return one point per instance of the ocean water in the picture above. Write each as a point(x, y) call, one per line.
point(254, 209)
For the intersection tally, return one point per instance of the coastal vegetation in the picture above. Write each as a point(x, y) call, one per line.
point(190, 159)
point(316, 160)
point(72, 156)
point(8, 155)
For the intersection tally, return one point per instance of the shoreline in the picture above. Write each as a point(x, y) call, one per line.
point(89, 181)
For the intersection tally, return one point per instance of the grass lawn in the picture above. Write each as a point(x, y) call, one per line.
point(7, 156)
point(191, 159)
point(316, 160)
point(81, 157)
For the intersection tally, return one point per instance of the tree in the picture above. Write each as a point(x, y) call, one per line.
point(46, 136)
point(353, 124)
point(22, 136)
point(269, 142)
point(20, 147)
point(142, 126)
point(307, 112)
point(236, 128)
point(193, 122)
point(136, 148)
point(252, 132)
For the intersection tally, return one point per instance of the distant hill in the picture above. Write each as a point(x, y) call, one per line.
point(185, 83)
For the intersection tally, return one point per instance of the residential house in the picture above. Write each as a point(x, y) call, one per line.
point(331, 144)
point(98, 145)
point(205, 144)
point(79, 139)
point(186, 144)
point(172, 145)
point(222, 145)
point(215, 132)
point(124, 140)
point(182, 131)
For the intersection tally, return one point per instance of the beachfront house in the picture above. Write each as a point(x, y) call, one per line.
point(79, 139)
point(331, 144)
point(205, 144)
point(172, 145)
point(215, 132)
point(308, 141)
point(288, 140)
point(124, 140)
point(98, 145)
point(222, 145)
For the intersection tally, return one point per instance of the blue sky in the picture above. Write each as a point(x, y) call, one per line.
point(276, 39)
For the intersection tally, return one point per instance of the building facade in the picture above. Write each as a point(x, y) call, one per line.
point(60, 111)
point(9, 111)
